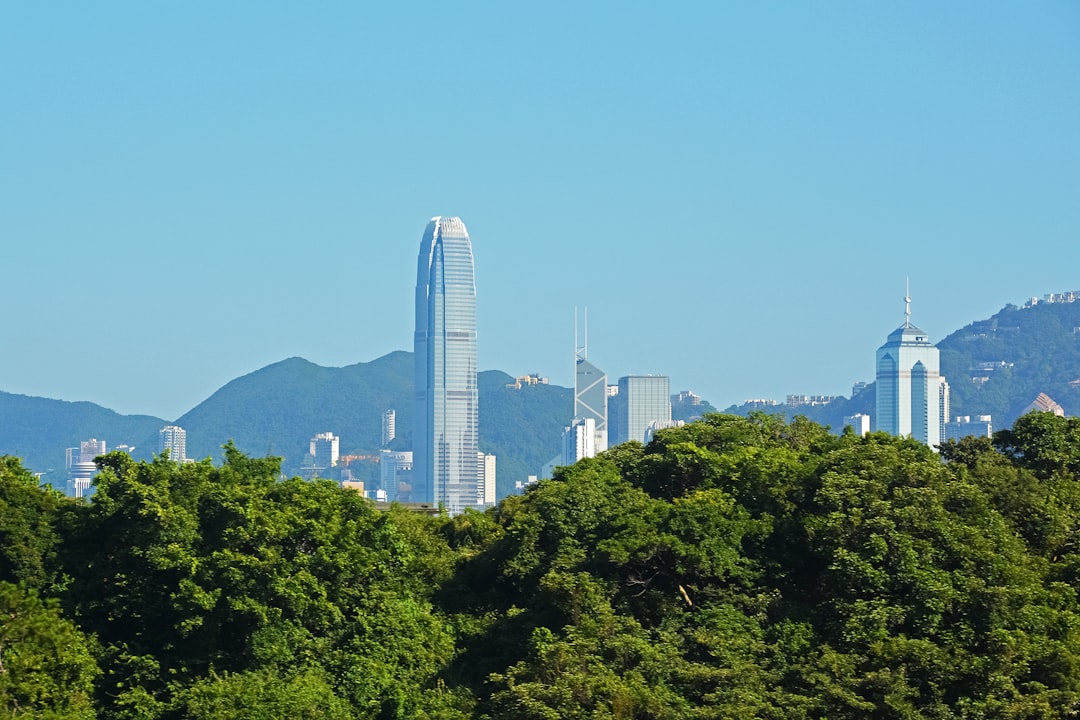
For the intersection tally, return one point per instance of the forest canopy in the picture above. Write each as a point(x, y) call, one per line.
point(733, 568)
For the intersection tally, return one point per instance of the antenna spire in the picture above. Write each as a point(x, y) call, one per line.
point(581, 350)
point(907, 302)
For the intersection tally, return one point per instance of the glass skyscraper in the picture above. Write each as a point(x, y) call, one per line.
point(911, 393)
point(590, 394)
point(445, 430)
point(643, 400)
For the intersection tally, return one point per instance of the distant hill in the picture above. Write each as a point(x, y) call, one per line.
point(38, 430)
point(997, 366)
point(994, 367)
point(278, 409)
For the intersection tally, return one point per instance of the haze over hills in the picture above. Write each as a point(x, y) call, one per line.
point(278, 409)
point(995, 366)
point(39, 429)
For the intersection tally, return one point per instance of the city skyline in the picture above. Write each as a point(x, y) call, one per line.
point(186, 201)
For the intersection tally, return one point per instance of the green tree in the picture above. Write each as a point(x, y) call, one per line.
point(28, 518)
point(46, 667)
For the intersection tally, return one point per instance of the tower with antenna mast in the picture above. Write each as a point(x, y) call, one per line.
point(590, 386)
point(912, 395)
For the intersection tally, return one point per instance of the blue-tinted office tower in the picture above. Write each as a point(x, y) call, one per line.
point(445, 427)
point(912, 396)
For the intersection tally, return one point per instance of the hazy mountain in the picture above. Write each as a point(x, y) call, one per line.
point(278, 409)
point(38, 430)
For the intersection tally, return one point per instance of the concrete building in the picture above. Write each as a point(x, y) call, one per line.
point(174, 439)
point(859, 423)
point(485, 488)
point(657, 425)
point(396, 475)
point(324, 449)
point(389, 427)
point(964, 426)
point(909, 385)
point(81, 467)
point(445, 425)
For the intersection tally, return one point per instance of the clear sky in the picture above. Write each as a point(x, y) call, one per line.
point(191, 191)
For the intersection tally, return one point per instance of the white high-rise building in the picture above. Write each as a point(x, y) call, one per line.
point(579, 441)
point(485, 487)
point(389, 427)
point(324, 451)
point(859, 423)
point(81, 467)
point(910, 389)
point(174, 439)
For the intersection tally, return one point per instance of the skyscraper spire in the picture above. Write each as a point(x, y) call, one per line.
point(907, 302)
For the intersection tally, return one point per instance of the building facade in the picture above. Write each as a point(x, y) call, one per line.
point(643, 400)
point(859, 423)
point(590, 393)
point(174, 439)
point(389, 427)
point(485, 489)
point(445, 430)
point(325, 450)
point(910, 390)
point(965, 426)
point(395, 475)
point(82, 468)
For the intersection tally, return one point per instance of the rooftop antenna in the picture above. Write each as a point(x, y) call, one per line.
point(581, 352)
point(907, 302)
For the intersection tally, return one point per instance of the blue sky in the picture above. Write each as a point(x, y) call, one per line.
point(189, 192)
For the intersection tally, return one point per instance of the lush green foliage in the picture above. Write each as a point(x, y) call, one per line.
point(733, 568)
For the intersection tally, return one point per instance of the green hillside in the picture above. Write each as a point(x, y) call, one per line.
point(994, 367)
point(38, 430)
point(278, 409)
point(1030, 350)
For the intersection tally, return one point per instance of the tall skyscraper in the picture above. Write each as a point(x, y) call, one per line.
point(445, 424)
point(174, 439)
point(910, 390)
point(590, 392)
point(642, 401)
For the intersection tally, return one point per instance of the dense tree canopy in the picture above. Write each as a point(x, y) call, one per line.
point(733, 568)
